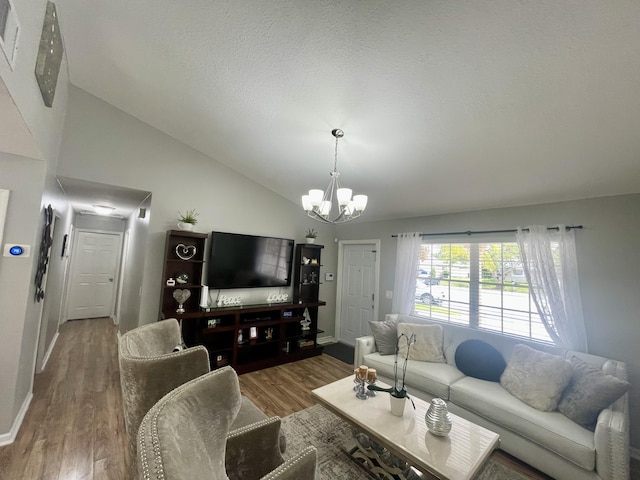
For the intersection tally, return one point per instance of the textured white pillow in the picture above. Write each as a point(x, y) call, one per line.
point(537, 378)
point(428, 346)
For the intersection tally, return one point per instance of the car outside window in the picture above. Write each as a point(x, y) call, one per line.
point(481, 285)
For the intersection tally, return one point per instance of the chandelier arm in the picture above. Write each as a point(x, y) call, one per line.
point(316, 216)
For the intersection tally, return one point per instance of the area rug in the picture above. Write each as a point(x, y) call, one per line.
point(328, 433)
point(341, 351)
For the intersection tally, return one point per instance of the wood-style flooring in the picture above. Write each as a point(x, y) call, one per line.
point(74, 428)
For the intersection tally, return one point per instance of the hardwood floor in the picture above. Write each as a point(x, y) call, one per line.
point(74, 428)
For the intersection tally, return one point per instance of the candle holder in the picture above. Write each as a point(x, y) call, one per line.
point(361, 378)
point(372, 378)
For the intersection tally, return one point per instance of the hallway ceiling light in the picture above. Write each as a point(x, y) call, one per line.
point(103, 209)
point(318, 204)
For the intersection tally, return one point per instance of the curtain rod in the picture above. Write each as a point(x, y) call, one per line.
point(476, 232)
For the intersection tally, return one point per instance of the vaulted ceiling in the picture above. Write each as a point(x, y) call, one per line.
point(446, 106)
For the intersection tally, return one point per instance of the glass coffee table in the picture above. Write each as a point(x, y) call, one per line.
point(389, 445)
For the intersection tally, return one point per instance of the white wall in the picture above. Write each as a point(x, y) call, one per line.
point(608, 257)
point(104, 144)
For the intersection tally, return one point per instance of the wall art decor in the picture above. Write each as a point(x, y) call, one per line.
point(49, 55)
point(43, 256)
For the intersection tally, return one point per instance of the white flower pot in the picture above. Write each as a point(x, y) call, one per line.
point(397, 405)
point(187, 227)
point(311, 240)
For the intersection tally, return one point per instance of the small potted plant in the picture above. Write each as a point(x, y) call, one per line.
point(398, 392)
point(187, 220)
point(311, 235)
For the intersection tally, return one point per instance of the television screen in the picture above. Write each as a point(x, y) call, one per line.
point(241, 261)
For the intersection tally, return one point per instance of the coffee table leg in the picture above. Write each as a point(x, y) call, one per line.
point(380, 462)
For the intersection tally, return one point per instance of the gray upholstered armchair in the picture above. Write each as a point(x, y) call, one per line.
point(188, 435)
point(149, 369)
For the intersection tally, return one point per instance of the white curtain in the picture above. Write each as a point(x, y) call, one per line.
point(406, 272)
point(551, 268)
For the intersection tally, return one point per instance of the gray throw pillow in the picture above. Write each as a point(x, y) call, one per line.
point(537, 378)
point(589, 391)
point(386, 336)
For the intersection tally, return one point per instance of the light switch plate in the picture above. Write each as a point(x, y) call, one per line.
point(328, 277)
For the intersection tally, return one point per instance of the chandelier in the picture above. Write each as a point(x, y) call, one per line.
point(319, 204)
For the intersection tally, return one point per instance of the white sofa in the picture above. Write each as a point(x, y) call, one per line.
point(548, 441)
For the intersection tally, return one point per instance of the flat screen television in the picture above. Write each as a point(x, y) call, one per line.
point(243, 261)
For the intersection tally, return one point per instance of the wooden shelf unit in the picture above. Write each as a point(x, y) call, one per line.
point(281, 346)
point(174, 265)
point(287, 342)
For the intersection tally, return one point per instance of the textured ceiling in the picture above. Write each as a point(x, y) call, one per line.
point(446, 106)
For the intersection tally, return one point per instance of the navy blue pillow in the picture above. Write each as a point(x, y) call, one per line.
point(478, 359)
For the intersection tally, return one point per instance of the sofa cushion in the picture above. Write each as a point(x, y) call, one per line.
point(433, 378)
point(386, 336)
point(428, 343)
point(478, 359)
point(551, 429)
point(537, 378)
point(589, 391)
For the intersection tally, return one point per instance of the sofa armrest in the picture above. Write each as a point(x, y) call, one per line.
point(254, 450)
point(611, 436)
point(364, 346)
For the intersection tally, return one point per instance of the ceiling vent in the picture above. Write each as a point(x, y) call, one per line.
point(9, 31)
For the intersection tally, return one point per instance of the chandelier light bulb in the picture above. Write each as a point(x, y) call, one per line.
point(344, 196)
point(315, 196)
point(319, 203)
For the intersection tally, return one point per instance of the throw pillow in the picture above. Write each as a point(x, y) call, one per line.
point(385, 334)
point(428, 346)
point(537, 378)
point(478, 359)
point(589, 391)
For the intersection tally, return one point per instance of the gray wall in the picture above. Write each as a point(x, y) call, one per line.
point(133, 274)
point(31, 185)
point(129, 153)
point(608, 263)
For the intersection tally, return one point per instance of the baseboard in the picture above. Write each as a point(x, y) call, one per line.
point(635, 453)
point(326, 340)
point(49, 350)
point(9, 438)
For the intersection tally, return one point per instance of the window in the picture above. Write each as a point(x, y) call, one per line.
point(481, 285)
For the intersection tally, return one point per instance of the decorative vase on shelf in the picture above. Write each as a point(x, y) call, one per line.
point(397, 405)
point(187, 227)
point(311, 240)
point(181, 296)
point(437, 418)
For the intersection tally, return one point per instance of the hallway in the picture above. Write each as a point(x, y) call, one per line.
point(74, 427)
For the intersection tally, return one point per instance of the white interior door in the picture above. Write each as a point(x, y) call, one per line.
point(93, 275)
point(358, 277)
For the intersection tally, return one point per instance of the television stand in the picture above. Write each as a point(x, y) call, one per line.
point(255, 336)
